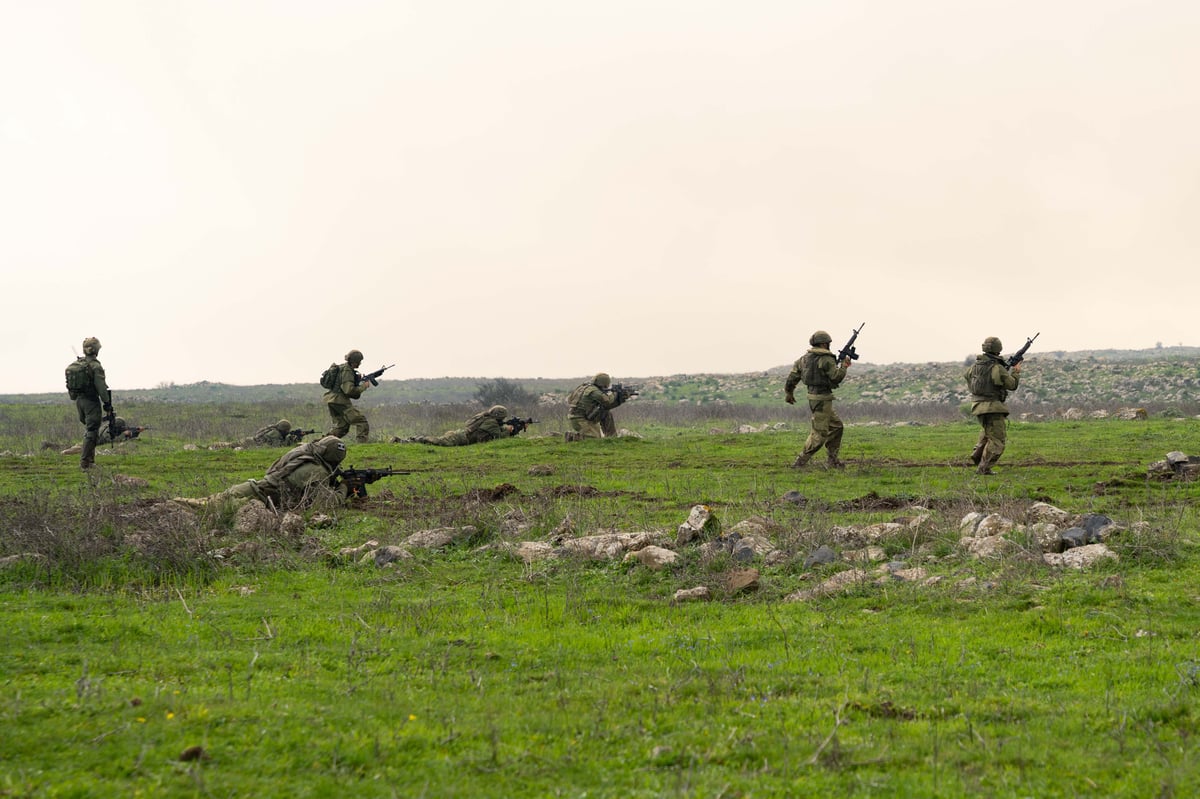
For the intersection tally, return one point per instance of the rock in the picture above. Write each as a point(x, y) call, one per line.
point(795, 497)
point(698, 594)
point(842, 581)
point(439, 537)
point(653, 557)
point(540, 470)
point(1045, 512)
point(389, 554)
point(739, 580)
point(701, 523)
point(1132, 414)
point(608, 546)
point(358, 551)
point(820, 556)
point(1080, 557)
point(254, 518)
point(871, 554)
point(987, 547)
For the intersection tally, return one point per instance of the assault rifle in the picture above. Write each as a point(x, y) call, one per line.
point(371, 377)
point(1019, 355)
point(624, 392)
point(519, 425)
point(357, 479)
point(111, 418)
point(134, 432)
point(295, 436)
point(848, 351)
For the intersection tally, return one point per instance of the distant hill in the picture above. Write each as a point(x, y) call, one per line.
point(1164, 376)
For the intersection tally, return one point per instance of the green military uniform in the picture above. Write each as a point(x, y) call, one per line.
point(590, 405)
point(483, 426)
point(296, 479)
point(273, 435)
point(989, 381)
point(92, 401)
point(821, 373)
point(338, 400)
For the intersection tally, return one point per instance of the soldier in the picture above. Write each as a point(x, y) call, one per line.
point(87, 386)
point(483, 426)
point(989, 380)
point(346, 387)
point(590, 409)
point(299, 477)
point(273, 435)
point(820, 371)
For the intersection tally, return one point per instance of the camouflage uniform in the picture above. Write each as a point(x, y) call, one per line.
point(120, 427)
point(273, 435)
point(91, 402)
point(821, 373)
point(989, 381)
point(338, 399)
point(590, 407)
point(295, 480)
point(483, 426)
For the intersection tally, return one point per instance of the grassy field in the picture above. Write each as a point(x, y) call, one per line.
point(151, 654)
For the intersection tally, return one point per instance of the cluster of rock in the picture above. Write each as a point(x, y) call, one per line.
point(1055, 537)
point(1176, 465)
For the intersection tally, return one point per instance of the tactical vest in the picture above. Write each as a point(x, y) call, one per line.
point(476, 422)
point(980, 382)
point(812, 375)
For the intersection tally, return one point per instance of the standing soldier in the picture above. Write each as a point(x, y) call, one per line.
point(989, 380)
point(87, 386)
point(820, 371)
point(344, 385)
point(589, 409)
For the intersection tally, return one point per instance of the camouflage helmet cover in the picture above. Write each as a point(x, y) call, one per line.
point(992, 345)
point(118, 421)
point(330, 449)
point(602, 380)
point(820, 338)
point(283, 425)
point(354, 357)
point(497, 412)
point(91, 345)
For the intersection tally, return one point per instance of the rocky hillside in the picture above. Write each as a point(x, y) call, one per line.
point(1160, 379)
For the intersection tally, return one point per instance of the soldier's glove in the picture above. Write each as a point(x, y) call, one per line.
point(108, 407)
point(790, 399)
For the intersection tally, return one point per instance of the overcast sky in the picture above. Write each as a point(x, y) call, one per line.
point(241, 191)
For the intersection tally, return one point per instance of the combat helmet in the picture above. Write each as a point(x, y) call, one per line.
point(330, 449)
point(497, 412)
point(602, 380)
point(91, 345)
point(354, 358)
point(283, 426)
point(992, 345)
point(820, 339)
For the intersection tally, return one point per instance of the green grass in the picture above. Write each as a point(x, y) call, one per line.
point(467, 673)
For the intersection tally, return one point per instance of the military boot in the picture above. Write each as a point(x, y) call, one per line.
point(985, 465)
point(834, 461)
point(977, 453)
point(87, 456)
point(802, 460)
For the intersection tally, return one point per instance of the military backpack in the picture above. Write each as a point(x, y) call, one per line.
point(79, 377)
point(329, 378)
point(980, 383)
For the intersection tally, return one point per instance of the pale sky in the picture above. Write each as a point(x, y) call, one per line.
point(240, 191)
